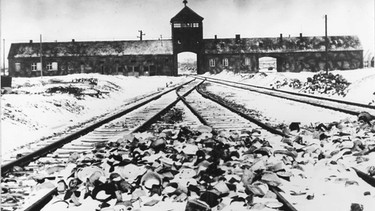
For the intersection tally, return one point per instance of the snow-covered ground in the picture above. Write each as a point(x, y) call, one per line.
point(31, 113)
point(361, 88)
point(38, 108)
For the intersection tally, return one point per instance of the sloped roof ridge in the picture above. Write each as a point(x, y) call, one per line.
point(186, 11)
point(93, 41)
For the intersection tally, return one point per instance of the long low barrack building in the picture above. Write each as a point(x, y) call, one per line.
point(160, 57)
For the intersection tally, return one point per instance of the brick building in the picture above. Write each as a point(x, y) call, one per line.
point(160, 57)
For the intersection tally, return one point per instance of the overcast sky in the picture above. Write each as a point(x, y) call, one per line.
point(85, 20)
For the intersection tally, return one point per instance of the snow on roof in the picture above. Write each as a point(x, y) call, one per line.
point(186, 15)
point(164, 47)
point(275, 45)
point(97, 48)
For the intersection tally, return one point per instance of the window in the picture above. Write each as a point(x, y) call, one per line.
point(212, 62)
point(49, 66)
point(54, 65)
point(186, 25)
point(225, 62)
point(70, 66)
point(17, 66)
point(247, 61)
point(36, 66)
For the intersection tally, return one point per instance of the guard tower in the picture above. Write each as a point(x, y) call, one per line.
point(187, 35)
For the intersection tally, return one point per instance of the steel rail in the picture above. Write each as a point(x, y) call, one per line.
point(351, 112)
point(367, 178)
point(200, 118)
point(292, 93)
point(24, 160)
point(38, 205)
point(251, 119)
point(147, 124)
point(286, 204)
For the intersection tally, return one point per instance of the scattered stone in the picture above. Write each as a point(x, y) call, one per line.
point(356, 207)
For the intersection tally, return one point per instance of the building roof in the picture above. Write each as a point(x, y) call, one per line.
point(186, 15)
point(100, 48)
point(274, 45)
point(164, 47)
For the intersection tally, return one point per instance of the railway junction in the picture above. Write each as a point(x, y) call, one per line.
point(190, 147)
point(203, 143)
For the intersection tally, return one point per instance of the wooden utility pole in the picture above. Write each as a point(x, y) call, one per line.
point(3, 56)
point(41, 57)
point(326, 38)
point(140, 35)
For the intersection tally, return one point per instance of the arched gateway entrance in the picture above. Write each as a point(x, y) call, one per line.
point(187, 63)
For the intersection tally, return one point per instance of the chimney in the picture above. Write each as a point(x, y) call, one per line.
point(73, 40)
point(300, 36)
point(215, 37)
point(31, 41)
point(281, 37)
point(238, 38)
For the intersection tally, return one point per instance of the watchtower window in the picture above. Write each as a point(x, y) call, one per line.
point(186, 25)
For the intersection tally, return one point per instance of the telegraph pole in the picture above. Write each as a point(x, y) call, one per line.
point(41, 57)
point(140, 35)
point(326, 38)
point(4, 57)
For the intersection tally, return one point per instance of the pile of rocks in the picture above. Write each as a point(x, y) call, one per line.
point(181, 168)
point(320, 83)
point(293, 83)
point(326, 84)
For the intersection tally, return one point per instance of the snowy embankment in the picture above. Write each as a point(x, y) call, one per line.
point(361, 83)
point(40, 107)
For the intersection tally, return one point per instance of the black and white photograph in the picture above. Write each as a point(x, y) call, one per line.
point(187, 105)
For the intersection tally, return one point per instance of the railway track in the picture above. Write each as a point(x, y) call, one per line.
point(288, 196)
point(349, 171)
point(44, 148)
point(265, 155)
point(135, 118)
point(348, 107)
